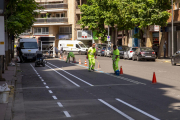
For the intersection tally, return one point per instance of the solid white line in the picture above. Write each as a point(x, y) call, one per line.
point(64, 77)
point(47, 87)
point(50, 91)
point(67, 114)
point(139, 110)
point(54, 97)
point(115, 109)
point(44, 83)
point(72, 75)
point(60, 105)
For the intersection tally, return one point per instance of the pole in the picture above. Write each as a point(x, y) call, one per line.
point(172, 29)
point(1, 62)
point(108, 35)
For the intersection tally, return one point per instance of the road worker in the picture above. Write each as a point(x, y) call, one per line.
point(91, 55)
point(70, 54)
point(115, 59)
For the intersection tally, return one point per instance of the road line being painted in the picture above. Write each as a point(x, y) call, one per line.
point(59, 104)
point(54, 97)
point(50, 91)
point(72, 75)
point(64, 77)
point(137, 109)
point(67, 114)
point(115, 109)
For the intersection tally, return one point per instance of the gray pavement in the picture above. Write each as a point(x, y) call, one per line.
point(68, 91)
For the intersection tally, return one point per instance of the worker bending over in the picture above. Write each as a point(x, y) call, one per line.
point(70, 54)
point(91, 55)
point(115, 59)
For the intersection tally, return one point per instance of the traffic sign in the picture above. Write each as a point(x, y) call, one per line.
point(108, 38)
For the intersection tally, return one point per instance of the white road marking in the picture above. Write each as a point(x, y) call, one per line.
point(47, 87)
point(64, 77)
point(115, 109)
point(40, 77)
point(54, 97)
point(60, 105)
point(154, 118)
point(42, 80)
point(72, 75)
point(50, 91)
point(44, 83)
point(67, 114)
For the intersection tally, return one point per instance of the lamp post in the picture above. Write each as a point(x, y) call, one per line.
point(172, 29)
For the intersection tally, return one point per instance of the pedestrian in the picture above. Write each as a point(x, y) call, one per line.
point(70, 54)
point(50, 50)
point(164, 46)
point(61, 50)
point(56, 50)
point(91, 56)
point(115, 59)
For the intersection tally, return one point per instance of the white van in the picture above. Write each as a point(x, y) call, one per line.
point(72, 46)
point(27, 48)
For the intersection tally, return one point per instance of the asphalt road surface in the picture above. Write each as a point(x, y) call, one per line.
point(67, 91)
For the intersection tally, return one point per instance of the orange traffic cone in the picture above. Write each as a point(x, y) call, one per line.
point(99, 66)
point(79, 61)
point(85, 64)
point(60, 57)
point(154, 79)
point(121, 70)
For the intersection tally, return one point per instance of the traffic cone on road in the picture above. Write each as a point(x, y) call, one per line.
point(60, 57)
point(99, 66)
point(79, 61)
point(121, 70)
point(154, 79)
point(85, 64)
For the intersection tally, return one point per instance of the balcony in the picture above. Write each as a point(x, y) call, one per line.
point(78, 11)
point(51, 21)
point(57, 6)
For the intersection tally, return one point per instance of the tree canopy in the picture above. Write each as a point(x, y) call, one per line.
point(20, 15)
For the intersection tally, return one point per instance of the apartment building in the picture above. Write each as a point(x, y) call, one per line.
point(58, 21)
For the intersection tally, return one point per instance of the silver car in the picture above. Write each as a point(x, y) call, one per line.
point(128, 53)
point(107, 52)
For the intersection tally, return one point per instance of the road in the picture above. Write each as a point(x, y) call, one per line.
point(67, 91)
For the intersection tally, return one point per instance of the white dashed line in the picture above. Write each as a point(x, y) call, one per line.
point(60, 105)
point(50, 91)
point(67, 114)
point(154, 118)
point(54, 97)
point(44, 83)
point(47, 87)
point(115, 109)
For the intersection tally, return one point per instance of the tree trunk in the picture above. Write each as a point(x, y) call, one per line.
point(161, 43)
point(141, 35)
point(127, 34)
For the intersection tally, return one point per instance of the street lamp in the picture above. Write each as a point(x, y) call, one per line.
point(172, 29)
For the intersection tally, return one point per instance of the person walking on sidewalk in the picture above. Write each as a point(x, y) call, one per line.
point(61, 50)
point(164, 47)
point(70, 54)
point(115, 59)
point(91, 56)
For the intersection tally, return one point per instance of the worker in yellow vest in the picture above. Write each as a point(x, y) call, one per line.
point(115, 59)
point(91, 55)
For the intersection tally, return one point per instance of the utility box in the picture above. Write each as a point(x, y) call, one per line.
point(4, 93)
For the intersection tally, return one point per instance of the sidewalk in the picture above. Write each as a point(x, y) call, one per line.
point(6, 108)
point(165, 60)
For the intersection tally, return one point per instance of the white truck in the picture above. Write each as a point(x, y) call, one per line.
point(72, 46)
point(27, 49)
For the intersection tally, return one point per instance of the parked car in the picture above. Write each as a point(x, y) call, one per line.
point(175, 58)
point(144, 53)
point(100, 51)
point(107, 52)
point(121, 50)
point(128, 53)
point(100, 46)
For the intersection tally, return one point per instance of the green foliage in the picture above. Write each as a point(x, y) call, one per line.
point(123, 14)
point(20, 15)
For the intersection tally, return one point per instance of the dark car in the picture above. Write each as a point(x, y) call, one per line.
point(121, 50)
point(175, 58)
point(100, 51)
point(144, 53)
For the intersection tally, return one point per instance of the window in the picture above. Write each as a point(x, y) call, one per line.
point(67, 30)
point(43, 15)
point(57, 15)
point(176, 7)
point(26, 32)
point(28, 45)
point(43, 30)
point(77, 46)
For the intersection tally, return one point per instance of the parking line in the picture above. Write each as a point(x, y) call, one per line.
point(54, 97)
point(154, 118)
point(47, 87)
point(67, 114)
point(115, 109)
point(64, 77)
point(60, 105)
